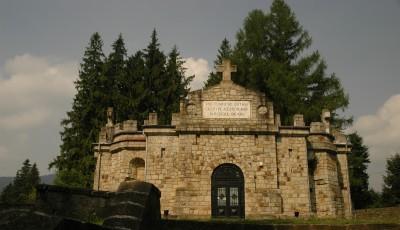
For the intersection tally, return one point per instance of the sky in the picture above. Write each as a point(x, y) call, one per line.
point(42, 43)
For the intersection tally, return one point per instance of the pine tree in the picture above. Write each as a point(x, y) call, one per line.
point(22, 189)
point(391, 188)
point(132, 91)
point(155, 73)
point(8, 195)
point(115, 72)
point(34, 177)
point(271, 56)
point(176, 86)
point(224, 52)
point(134, 86)
point(75, 164)
point(358, 162)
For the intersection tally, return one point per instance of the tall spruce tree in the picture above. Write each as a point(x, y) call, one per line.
point(272, 57)
point(176, 85)
point(155, 76)
point(132, 91)
point(391, 188)
point(358, 162)
point(116, 75)
point(224, 52)
point(75, 164)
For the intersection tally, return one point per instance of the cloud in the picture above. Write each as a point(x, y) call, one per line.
point(381, 133)
point(199, 68)
point(33, 89)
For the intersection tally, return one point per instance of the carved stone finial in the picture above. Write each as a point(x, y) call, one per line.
point(226, 69)
point(110, 115)
point(326, 119)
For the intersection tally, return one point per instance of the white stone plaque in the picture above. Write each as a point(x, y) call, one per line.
point(226, 109)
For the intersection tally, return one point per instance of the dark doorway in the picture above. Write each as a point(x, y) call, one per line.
point(227, 191)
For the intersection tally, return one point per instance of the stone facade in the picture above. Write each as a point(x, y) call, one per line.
point(287, 170)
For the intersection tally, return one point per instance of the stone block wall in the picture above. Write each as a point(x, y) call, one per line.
point(293, 175)
point(327, 189)
point(113, 159)
point(327, 176)
point(344, 183)
point(161, 166)
point(186, 186)
point(134, 206)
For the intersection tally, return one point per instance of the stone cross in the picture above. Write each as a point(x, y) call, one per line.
point(226, 69)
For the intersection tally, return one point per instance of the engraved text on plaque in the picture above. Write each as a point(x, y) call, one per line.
point(226, 109)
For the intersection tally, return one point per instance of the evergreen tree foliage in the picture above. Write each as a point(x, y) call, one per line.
point(71, 178)
point(133, 85)
point(391, 188)
point(115, 73)
point(132, 91)
point(82, 124)
point(165, 82)
point(376, 199)
point(34, 176)
point(176, 86)
point(8, 195)
point(22, 189)
point(358, 161)
point(224, 52)
point(155, 76)
point(272, 57)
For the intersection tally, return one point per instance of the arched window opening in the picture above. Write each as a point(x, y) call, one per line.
point(136, 167)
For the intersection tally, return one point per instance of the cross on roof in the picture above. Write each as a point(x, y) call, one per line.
point(226, 69)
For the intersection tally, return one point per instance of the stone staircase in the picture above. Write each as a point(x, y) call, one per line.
point(130, 209)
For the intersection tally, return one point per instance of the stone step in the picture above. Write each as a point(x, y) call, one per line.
point(125, 208)
point(122, 222)
point(137, 197)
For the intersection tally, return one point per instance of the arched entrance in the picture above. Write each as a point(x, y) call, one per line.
point(227, 191)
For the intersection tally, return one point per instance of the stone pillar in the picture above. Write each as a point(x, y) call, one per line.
point(326, 120)
point(175, 119)
point(345, 184)
point(277, 119)
point(152, 119)
point(328, 195)
point(343, 148)
point(298, 120)
point(326, 185)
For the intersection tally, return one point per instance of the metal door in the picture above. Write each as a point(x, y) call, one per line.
point(227, 191)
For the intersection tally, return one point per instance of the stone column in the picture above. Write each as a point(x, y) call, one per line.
point(345, 183)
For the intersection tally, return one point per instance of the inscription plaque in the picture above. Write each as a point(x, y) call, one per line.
point(226, 109)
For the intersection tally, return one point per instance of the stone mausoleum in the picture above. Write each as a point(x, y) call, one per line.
point(226, 154)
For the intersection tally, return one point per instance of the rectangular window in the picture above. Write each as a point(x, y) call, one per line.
point(234, 196)
point(221, 197)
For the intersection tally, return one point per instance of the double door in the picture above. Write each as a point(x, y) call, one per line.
point(227, 201)
point(227, 192)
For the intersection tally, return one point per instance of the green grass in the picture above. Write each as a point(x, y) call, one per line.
point(322, 221)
